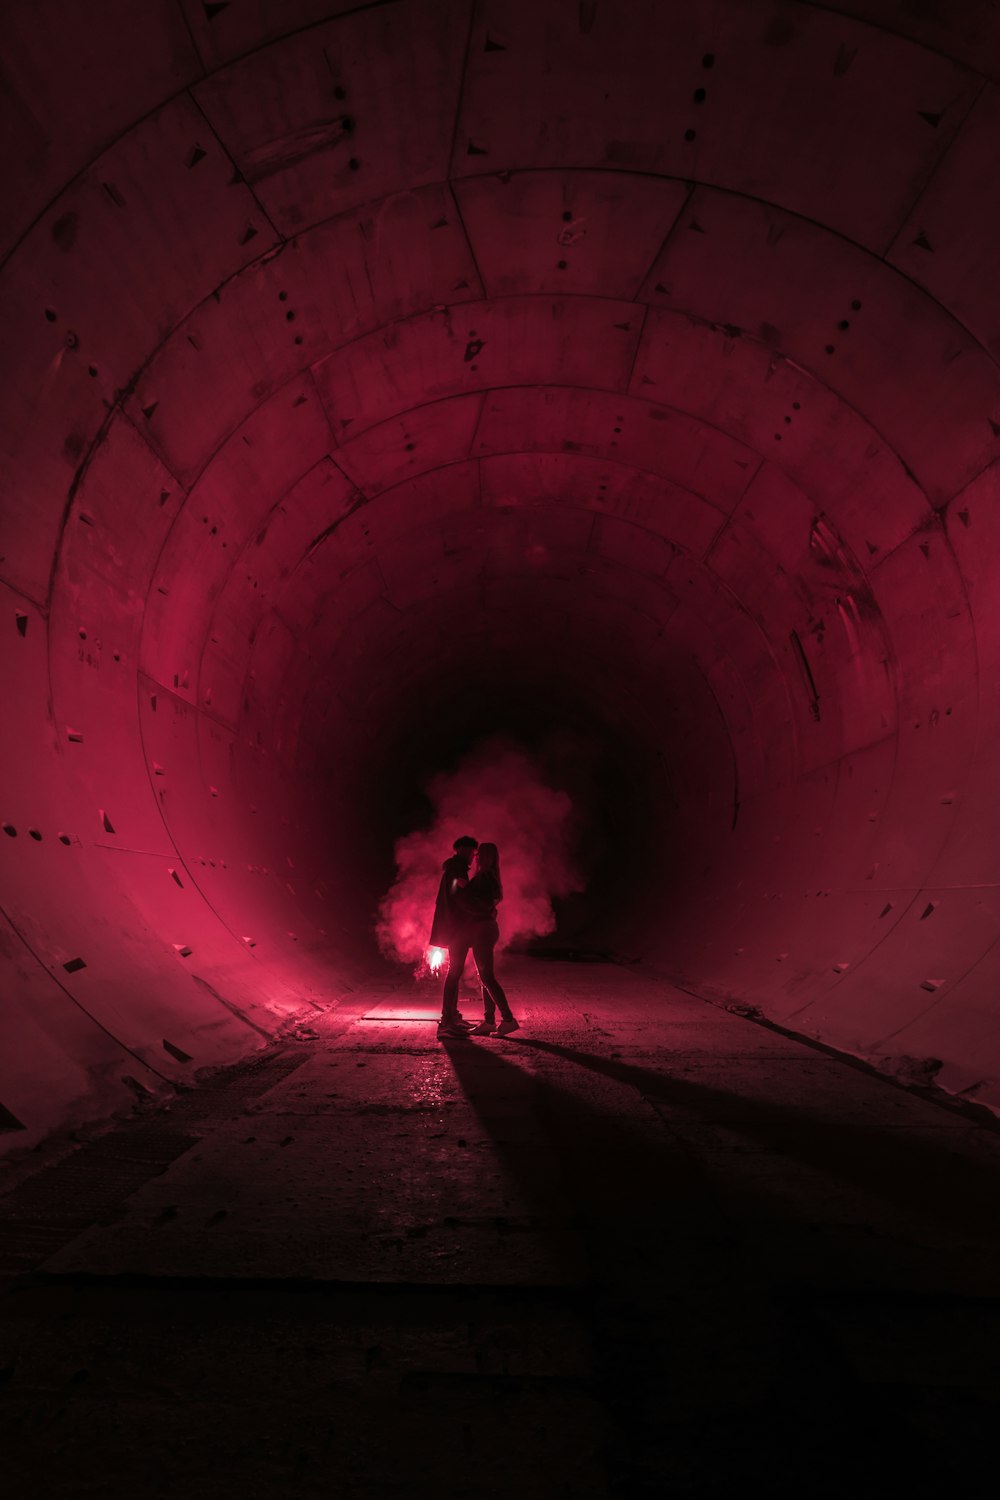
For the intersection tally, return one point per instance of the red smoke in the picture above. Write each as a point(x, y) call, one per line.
point(497, 793)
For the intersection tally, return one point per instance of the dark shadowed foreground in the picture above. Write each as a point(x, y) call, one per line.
point(644, 1247)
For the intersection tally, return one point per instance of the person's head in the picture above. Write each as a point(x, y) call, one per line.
point(488, 858)
point(465, 847)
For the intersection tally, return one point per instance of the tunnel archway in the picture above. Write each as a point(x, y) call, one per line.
point(657, 348)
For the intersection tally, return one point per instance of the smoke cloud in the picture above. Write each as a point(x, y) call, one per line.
point(498, 793)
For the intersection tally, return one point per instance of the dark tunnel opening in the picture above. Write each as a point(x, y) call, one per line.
point(616, 845)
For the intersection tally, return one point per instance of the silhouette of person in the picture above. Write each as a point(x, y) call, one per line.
point(448, 931)
point(477, 903)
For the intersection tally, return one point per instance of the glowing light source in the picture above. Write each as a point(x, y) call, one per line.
point(436, 959)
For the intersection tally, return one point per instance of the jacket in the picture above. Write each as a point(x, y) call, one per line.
point(447, 917)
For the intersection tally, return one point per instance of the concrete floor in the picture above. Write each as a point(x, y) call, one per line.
point(644, 1247)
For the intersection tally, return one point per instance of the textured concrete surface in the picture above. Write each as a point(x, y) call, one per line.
point(657, 343)
point(643, 1247)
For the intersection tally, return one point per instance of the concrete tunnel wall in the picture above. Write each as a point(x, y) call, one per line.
point(656, 342)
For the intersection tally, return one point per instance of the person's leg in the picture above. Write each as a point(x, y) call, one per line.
point(483, 944)
point(489, 1021)
point(457, 952)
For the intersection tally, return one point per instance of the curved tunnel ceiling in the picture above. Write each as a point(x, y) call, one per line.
point(655, 345)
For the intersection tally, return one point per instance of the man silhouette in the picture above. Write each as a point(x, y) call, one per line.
point(447, 931)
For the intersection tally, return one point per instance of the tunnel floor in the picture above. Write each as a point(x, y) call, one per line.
point(642, 1247)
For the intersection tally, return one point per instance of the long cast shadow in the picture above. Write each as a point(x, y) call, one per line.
point(697, 1343)
point(928, 1178)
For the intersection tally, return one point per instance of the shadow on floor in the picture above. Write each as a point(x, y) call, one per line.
point(716, 1294)
point(758, 1295)
point(924, 1172)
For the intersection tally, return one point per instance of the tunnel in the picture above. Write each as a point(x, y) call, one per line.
point(375, 374)
point(380, 378)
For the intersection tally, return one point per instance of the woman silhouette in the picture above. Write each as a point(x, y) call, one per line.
point(478, 903)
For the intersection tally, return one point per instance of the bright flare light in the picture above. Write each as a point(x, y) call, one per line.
point(436, 959)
